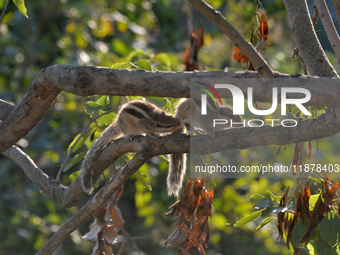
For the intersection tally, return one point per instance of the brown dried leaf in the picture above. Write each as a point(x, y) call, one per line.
point(239, 56)
point(264, 29)
point(296, 157)
point(278, 152)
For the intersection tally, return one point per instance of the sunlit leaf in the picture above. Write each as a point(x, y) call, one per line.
point(273, 197)
point(103, 101)
point(162, 58)
point(74, 175)
point(259, 202)
point(144, 64)
point(74, 160)
point(248, 218)
point(144, 179)
point(106, 119)
point(21, 6)
point(264, 222)
point(76, 145)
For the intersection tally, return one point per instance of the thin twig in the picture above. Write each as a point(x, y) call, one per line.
point(61, 170)
point(128, 239)
point(4, 11)
point(239, 41)
point(297, 53)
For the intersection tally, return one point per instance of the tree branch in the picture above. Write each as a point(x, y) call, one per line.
point(239, 41)
point(36, 175)
point(325, 125)
point(5, 108)
point(329, 26)
point(306, 39)
point(90, 80)
point(88, 209)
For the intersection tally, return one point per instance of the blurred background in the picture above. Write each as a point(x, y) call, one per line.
point(105, 33)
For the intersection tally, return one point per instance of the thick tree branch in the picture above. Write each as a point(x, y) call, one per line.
point(323, 126)
point(239, 41)
point(36, 175)
point(306, 39)
point(5, 108)
point(88, 209)
point(90, 80)
point(329, 26)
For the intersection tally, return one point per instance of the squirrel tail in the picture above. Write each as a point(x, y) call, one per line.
point(87, 168)
point(177, 169)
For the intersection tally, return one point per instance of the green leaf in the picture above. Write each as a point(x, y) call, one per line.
point(259, 202)
point(137, 55)
point(167, 106)
point(103, 101)
point(74, 160)
point(74, 175)
point(92, 108)
point(321, 181)
point(330, 228)
point(298, 231)
point(106, 119)
point(273, 197)
point(264, 222)
point(312, 201)
point(21, 6)
point(248, 218)
point(78, 145)
point(162, 58)
point(118, 65)
point(144, 179)
point(144, 64)
point(324, 248)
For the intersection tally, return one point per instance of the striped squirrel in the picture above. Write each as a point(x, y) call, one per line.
point(136, 117)
point(189, 114)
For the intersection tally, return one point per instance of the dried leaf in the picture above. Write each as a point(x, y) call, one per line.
point(191, 53)
point(296, 157)
point(264, 29)
point(239, 56)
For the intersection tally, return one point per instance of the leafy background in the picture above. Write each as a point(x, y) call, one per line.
point(107, 33)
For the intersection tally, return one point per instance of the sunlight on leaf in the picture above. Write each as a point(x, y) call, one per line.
point(21, 6)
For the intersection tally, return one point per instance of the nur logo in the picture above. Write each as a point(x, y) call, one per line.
point(238, 99)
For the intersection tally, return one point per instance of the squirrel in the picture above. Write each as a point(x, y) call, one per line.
point(189, 114)
point(136, 117)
